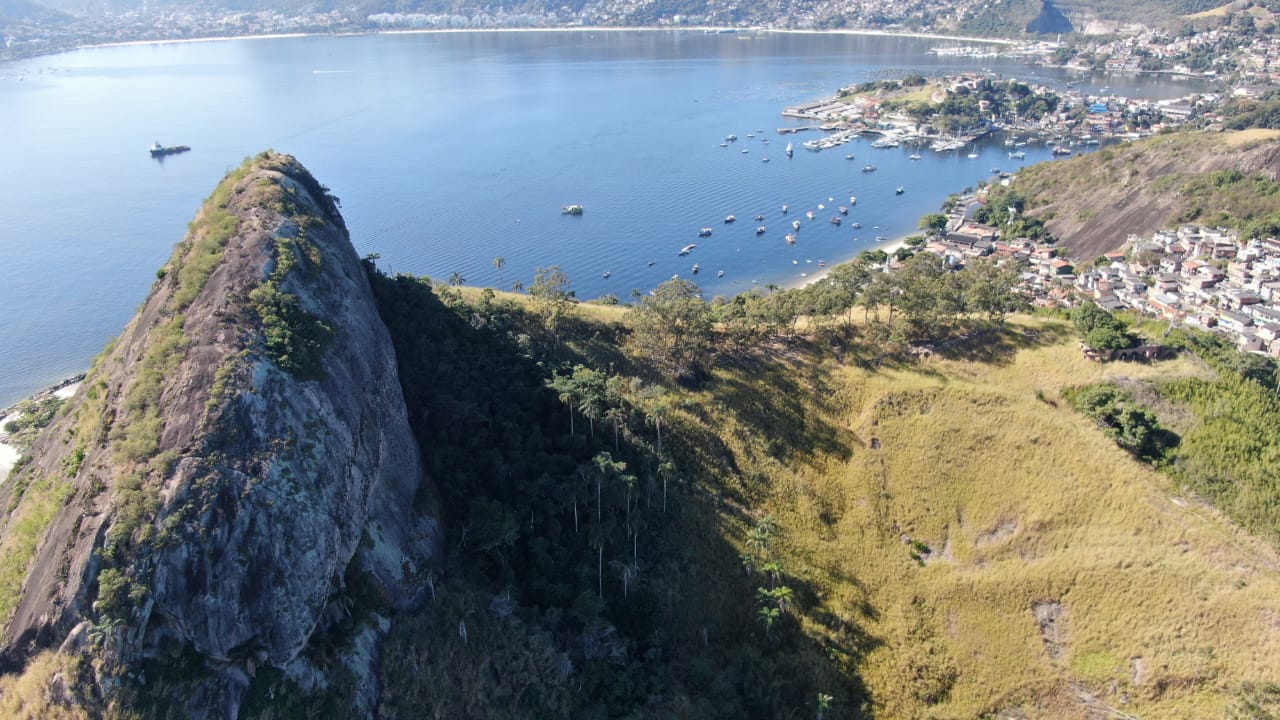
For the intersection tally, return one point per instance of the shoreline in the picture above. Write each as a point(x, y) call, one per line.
point(557, 28)
point(9, 454)
point(890, 246)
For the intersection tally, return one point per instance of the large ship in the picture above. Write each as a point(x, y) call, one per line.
point(158, 150)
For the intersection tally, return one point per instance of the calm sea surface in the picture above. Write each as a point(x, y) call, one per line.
point(448, 150)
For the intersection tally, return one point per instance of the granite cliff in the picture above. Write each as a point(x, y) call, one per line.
point(235, 471)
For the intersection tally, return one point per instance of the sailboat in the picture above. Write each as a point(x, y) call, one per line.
point(973, 152)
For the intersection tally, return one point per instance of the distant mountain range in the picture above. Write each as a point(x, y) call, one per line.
point(1005, 18)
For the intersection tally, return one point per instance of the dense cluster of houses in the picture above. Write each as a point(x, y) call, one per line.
point(1202, 277)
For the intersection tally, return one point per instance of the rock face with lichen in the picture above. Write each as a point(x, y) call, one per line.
point(235, 469)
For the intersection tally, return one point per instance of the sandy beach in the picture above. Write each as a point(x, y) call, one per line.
point(889, 246)
point(561, 28)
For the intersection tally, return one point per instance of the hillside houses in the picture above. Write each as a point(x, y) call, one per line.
point(1203, 277)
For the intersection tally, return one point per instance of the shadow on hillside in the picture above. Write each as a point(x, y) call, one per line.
point(636, 590)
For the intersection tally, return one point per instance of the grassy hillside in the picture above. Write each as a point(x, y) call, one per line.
point(1093, 202)
point(953, 539)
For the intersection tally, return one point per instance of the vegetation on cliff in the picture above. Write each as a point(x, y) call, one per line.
point(1093, 202)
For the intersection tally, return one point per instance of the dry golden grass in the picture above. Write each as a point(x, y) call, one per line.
point(1167, 606)
point(1251, 137)
point(1220, 11)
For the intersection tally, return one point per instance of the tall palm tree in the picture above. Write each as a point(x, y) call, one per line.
point(456, 279)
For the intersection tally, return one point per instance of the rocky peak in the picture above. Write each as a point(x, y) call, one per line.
point(232, 464)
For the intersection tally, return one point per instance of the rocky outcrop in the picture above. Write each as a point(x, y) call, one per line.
point(1049, 21)
point(236, 468)
point(1093, 202)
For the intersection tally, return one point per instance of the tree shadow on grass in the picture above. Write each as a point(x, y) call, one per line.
point(662, 622)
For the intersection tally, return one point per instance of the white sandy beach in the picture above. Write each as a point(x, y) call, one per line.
point(889, 246)
point(582, 28)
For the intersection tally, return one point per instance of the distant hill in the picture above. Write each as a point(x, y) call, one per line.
point(25, 12)
point(1091, 203)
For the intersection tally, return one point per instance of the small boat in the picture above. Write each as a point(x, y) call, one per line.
point(729, 218)
point(857, 225)
point(1060, 150)
point(760, 230)
point(696, 268)
point(751, 135)
point(721, 273)
point(759, 218)
point(731, 137)
point(764, 159)
point(808, 214)
point(844, 210)
point(835, 220)
point(652, 263)
point(914, 156)
point(790, 149)
point(686, 249)
point(822, 263)
point(571, 210)
point(852, 201)
point(745, 151)
point(868, 168)
point(606, 274)
point(724, 144)
point(791, 238)
point(704, 232)
point(899, 191)
point(795, 224)
point(973, 155)
point(995, 171)
point(821, 206)
point(881, 238)
point(848, 157)
point(1017, 155)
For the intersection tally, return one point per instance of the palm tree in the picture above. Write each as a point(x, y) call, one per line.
point(617, 417)
point(456, 279)
point(664, 470)
point(499, 263)
point(824, 704)
point(768, 616)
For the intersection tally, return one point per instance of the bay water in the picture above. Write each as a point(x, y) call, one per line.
point(451, 149)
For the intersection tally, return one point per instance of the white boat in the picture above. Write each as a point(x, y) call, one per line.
point(696, 268)
point(899, 191)
point(729, 218)
point(791, 238)
point(784, 209)
point(720, 274)
point(808, 214)
point(1017, 155)
point(686, 249)
point(868, 168)
point(704, 232)
point(914, 156)
point(843, 210)
point(852, 201)
point(764, 159)
point(795, 224)
point(760, 230)
point(790, 149)
point(606, 274)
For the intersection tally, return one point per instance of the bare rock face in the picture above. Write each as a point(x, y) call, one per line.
point(232, 465)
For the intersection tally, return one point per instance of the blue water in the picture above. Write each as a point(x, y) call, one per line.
point(448, 150)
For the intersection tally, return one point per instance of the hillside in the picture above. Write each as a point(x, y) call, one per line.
point(235, 465)
point(670, 510)
point(1091, 203)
